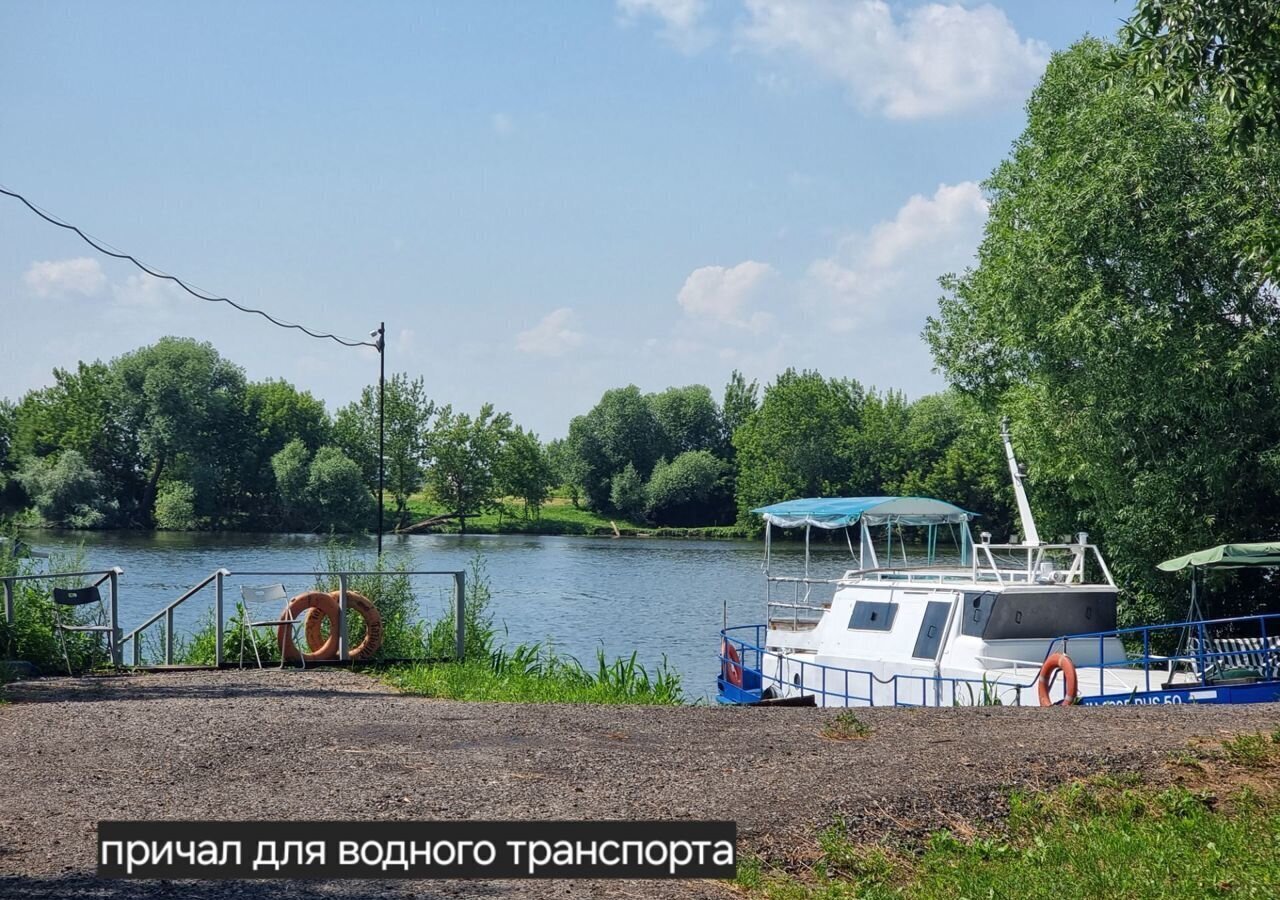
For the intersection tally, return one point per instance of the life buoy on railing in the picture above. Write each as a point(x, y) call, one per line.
point(1057, 662)
point(316, 605)
point(362, 606)
point(731, 668)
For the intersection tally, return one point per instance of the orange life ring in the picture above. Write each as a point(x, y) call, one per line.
point(731, 669)
point(357, 603)
point(316, 605)
point(1055, 662)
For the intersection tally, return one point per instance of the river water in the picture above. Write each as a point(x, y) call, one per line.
point(579, 594)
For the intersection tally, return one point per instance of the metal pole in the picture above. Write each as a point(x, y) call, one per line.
point(342, 615)
point(113, 602)
point(168, 636)
point(217, 617)
point(8, 601)
point(459, 615)
point(382, 413)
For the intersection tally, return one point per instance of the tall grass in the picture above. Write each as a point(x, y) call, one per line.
point(1108, 837)
point(32, 636)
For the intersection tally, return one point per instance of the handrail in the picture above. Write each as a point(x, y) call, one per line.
point(49, 576)
point(870, 678)
point(176, 603)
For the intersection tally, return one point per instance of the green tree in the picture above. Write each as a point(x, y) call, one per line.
point(291, 468)
point(12, 498)
point(83, 411)
point(1117, 317)
point(65, 491)
point(336, 496)
point(1228, 49)
point(407, 420)
point(741, 399)
point(800, 442)
point(693, 489)
point(277, 413)
point(688, 418)
point(626, 493)
point(618, 430)
point(525, 471)
point(186, 404)
point(952, 451)
point(464, 453)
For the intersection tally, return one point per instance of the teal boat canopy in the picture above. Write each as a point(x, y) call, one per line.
point(1227, 556)
point(841, 512)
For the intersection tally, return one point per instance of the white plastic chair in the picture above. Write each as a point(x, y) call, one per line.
point(272, 593)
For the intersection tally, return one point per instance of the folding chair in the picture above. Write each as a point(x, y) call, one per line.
point(272, 593)
point(81, 596)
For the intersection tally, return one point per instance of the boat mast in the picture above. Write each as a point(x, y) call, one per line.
point(1030, 537)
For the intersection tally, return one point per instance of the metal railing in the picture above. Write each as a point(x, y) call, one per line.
point(838, 686)
point(218, 580)
point(110, 576)
point(1204, 651)
point(135, 636)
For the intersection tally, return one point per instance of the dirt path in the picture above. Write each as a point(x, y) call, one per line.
point(336, 745)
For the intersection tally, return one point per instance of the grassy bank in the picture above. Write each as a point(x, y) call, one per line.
point(1215, 832)
point(529, 674)
point(559, 516)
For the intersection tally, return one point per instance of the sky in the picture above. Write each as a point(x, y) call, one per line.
point(541, 200)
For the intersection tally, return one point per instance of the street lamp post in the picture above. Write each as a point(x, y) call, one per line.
point(381, 344)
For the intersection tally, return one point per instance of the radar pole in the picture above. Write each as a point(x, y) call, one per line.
point(1030, 537)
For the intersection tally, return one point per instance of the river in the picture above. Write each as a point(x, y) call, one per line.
point(579, 594)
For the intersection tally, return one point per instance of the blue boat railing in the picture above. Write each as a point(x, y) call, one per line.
point(1209, 652)
point(1208, 649)
point(838, 686)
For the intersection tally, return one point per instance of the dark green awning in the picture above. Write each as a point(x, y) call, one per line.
point(1227, 556)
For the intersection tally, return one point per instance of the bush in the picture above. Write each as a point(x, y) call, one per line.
point(176, 507)
point(626, 493)
point(31, 636)
point(336, 494)
point(695, 488)
point(66, 492)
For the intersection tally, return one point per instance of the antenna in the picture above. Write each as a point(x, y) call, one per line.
point(1032, 537)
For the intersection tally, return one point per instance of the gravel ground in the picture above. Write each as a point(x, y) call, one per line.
point(337, 745)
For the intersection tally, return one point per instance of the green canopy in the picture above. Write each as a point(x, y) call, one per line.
point(1227, 556)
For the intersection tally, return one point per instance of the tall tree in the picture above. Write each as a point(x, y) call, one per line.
point(83, 411)
point(408, 417)
point(1229, 49)
point(1116, 315)
point(186, 404)
point(525, 471)
point(689, 419)
point(1222, 56)
point(464, 454)
point(740, 400)
point(618, 430)
point(799, 443)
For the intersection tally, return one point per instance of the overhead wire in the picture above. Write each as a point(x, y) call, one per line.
point(105, 248)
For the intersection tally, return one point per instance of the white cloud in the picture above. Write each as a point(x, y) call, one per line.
point(59, 278)
point(681, 21)
point(937, 60)
point(722, 295)
point(553, 336)
point(503, 125)
point(143, 292)
point(894, 267)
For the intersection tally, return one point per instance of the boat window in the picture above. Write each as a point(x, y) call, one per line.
point(872, 615)
point(930, 637)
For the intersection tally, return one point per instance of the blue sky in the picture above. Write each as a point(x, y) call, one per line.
point(542, 200)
